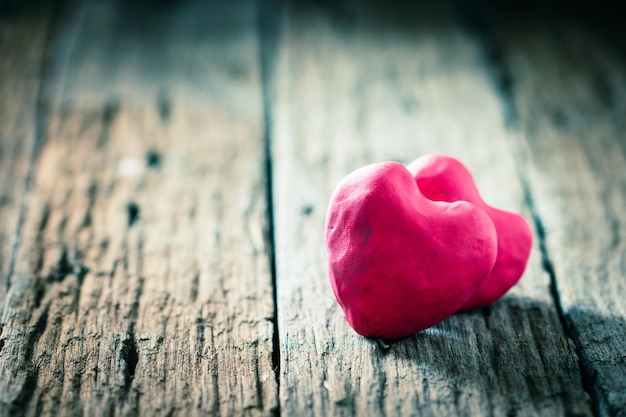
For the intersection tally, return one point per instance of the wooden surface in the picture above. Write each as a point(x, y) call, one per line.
point(142, 282)
point(573, 120)
point(165, 170)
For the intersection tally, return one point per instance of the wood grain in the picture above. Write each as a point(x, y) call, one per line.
point(570, 98)
point(142, 285)
point(136, 232)
point(361, 83)
point(19, 91)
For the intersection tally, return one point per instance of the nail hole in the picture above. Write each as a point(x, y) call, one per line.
point(132, 209)
point(153, 159)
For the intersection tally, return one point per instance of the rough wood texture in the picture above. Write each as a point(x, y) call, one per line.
point(362, 82)
point(569, 98)
point(142, 284)
point(22, 48)
point(136, 232)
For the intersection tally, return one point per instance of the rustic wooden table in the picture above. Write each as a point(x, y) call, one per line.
point(165, 169)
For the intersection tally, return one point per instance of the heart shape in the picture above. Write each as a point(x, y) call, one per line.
point(398, 261)
point(443, 178)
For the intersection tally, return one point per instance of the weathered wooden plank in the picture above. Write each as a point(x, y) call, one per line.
point(19, 90)
point(143, 283)
point(363, 82)
point(569, 94)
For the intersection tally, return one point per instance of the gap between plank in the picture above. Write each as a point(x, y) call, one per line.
point(548, 267)
point(502, 81)
point(267, 30)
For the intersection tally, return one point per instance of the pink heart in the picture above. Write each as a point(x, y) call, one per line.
point(398, 261)
point(443, 178)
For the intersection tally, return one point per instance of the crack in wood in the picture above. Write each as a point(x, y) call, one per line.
point(92, 194)
point(130, 355)
point(200, 326)
point(31, 370)
point(548, 266)
point(215, 407)
point(129, 352)
point(257, 383)
point(478, 25)
point(61, 268)
point(268, 31)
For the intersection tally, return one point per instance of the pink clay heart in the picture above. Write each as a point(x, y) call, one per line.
point(398, 261)
point(443, 178)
